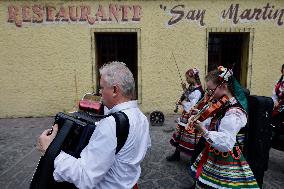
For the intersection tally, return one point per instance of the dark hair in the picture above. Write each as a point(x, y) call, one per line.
point(214, 77)
point(197, 79)
point(281, 78)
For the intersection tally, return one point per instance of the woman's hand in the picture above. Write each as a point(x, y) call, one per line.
point(197, 125)
point(183, 85)
point(193, 111)
point(178, 102)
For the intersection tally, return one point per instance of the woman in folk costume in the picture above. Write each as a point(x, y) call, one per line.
point(278, 91)
point(222, 164)
point(182, 140)
point(278, 98)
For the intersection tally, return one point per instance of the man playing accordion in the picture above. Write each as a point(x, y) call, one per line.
point(98, 165)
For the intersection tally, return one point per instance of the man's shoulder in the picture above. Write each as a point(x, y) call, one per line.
point(110, 119)
point(106, 123)
point(136, 112)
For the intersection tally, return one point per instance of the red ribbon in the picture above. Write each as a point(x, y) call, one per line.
point(202, 161)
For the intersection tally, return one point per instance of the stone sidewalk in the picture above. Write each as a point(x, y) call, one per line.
point(19, 157)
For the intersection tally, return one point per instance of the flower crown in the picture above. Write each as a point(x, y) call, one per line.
point(224, 73)
point(195, 71)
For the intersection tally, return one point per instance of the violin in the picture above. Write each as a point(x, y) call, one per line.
point(208, 110)
point(202, 102)
point(182, 98)
point(199, 105)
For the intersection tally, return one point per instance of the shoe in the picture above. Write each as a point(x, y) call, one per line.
point(173, 157)
point(193, 187)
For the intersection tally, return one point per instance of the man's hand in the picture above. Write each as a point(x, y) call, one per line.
point(46, 138)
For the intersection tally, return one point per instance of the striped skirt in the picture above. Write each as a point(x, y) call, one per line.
point(184, 140)
point(224, 170)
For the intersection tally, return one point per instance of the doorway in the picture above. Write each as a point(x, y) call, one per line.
point(228, 49)
point(117, 46)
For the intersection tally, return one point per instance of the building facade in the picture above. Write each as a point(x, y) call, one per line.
point(50, 51)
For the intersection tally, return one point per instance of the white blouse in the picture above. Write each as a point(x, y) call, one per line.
point(225, 138)
point(193, 98)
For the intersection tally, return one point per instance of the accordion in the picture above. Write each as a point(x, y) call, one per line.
point(75, 131)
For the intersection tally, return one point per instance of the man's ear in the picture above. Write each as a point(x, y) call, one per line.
point(115, 90)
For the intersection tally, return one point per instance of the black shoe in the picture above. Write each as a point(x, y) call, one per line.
point(173, 157)
point(192, 187)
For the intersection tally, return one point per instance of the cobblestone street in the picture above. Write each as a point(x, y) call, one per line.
point(19, 157)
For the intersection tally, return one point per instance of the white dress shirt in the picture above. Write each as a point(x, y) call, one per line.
point(225, 138)
point(98, 166)
point(106, 110)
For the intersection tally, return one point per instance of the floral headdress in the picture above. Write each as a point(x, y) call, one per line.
point(224, 73)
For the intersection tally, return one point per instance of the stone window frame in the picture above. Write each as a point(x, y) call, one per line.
point(93, 31)
point(250, 31)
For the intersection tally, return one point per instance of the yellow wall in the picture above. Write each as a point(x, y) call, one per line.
point(40, 61)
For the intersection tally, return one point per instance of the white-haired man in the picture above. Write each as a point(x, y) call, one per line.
point(99, 166)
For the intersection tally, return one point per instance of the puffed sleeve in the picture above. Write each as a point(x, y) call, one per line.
point(193, 99)
point(225, 138)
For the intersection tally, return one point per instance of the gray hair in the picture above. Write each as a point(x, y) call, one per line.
point(117, 73)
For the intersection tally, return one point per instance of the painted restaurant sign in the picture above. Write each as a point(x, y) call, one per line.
point(127, 13)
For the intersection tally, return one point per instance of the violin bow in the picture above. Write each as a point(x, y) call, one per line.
point(177, 68)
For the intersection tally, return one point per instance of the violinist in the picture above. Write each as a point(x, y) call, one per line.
point(194, 92)
point(221, 164)
point(278, 99)
point(182, 140)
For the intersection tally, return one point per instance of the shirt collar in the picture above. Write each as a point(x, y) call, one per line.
point(123, 106)
point(233, 100)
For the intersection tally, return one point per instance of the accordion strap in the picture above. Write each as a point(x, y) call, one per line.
point(122, 129)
